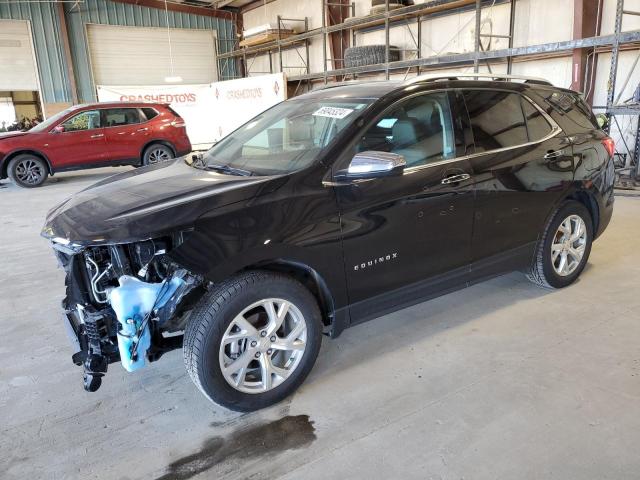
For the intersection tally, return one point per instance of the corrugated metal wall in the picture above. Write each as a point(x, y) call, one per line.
point(113, 13)
point(45, 28)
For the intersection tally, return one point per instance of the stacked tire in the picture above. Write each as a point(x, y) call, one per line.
point(369, 55)
point(379, 6)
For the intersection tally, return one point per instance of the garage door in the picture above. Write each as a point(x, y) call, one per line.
point(140, 56)
point(16, 57)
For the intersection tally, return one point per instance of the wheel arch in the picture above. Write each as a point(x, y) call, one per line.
point(587, 199)
point(4, 168)
point(308, 277)
point(161, 141)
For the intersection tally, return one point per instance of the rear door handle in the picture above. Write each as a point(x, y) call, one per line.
point(97, 135)
point(554, 154)
point(455, 178)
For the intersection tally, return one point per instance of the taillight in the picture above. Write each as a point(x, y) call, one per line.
point(609, 145)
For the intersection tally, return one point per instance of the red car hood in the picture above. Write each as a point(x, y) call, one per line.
point(11, 134)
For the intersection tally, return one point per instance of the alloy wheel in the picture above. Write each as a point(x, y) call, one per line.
point(263, 345)
point(568, 246)
point(159, 155)
point(29, 171)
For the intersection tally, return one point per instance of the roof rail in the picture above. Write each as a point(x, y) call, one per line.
point(462, 76)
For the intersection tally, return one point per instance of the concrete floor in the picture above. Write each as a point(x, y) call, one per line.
point(499, 381)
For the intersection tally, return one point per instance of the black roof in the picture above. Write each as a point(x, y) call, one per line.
point(378, 89)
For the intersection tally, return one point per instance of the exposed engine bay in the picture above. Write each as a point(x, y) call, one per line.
point(127, 302)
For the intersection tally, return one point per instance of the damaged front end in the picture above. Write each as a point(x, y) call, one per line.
point(127, 302)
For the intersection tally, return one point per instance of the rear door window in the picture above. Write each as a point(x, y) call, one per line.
point(117, 117)
point(496, 118)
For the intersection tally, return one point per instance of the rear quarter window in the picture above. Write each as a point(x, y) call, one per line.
point(149, 113)
point(569, 110)
point(173, 111)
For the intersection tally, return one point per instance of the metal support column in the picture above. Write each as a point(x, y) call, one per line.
point(245, 67)
point(280, 44)
point(512, 22)
point(615, 51)
point(476, 62)
point(353, 32)
point(419, 52)
point(636, 152)
point(306, 43)
point(325, 39)
point(386, 40)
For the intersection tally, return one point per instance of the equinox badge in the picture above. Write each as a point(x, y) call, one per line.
point(376, 261)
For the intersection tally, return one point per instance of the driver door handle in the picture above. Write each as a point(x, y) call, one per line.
point(455, 178)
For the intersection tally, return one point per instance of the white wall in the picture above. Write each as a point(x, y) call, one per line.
point(626, 125)
point(537, 22)
point(298, 9)
point(629, 22)
point(625, 129)
point(454, 33)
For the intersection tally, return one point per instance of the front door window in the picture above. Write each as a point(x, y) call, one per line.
point(87, 120)
point(420, 129)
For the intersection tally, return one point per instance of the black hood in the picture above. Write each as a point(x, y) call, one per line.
point(147, 202)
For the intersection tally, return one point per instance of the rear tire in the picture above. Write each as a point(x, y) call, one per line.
point(226, 353)
point(563, 250)
point(28, 171)
point(157, 153)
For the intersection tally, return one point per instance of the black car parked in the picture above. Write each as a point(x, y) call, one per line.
point(327, 210)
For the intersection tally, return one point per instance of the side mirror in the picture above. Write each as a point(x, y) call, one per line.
point(58, 129)
point(602, 120)
point(371, 164)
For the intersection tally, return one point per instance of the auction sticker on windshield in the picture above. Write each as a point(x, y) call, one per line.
point(333, 112)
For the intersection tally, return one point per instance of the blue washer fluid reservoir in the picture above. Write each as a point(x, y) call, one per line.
point(131, 302)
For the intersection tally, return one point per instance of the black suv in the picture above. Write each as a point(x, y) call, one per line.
point(327, 210)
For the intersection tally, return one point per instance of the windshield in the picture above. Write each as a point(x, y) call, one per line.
point(285, 138)
point(49, 122)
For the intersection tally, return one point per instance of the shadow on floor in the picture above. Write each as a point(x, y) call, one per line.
point(77, 177)
point(380, 336)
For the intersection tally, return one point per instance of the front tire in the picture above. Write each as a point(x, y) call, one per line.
point(252, 340)
point(564, 249)
point(28, 171)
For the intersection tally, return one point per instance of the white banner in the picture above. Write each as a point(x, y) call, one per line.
point(210, 111)
point(238, 101)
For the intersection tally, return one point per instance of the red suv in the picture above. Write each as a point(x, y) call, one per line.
point(90, 136)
